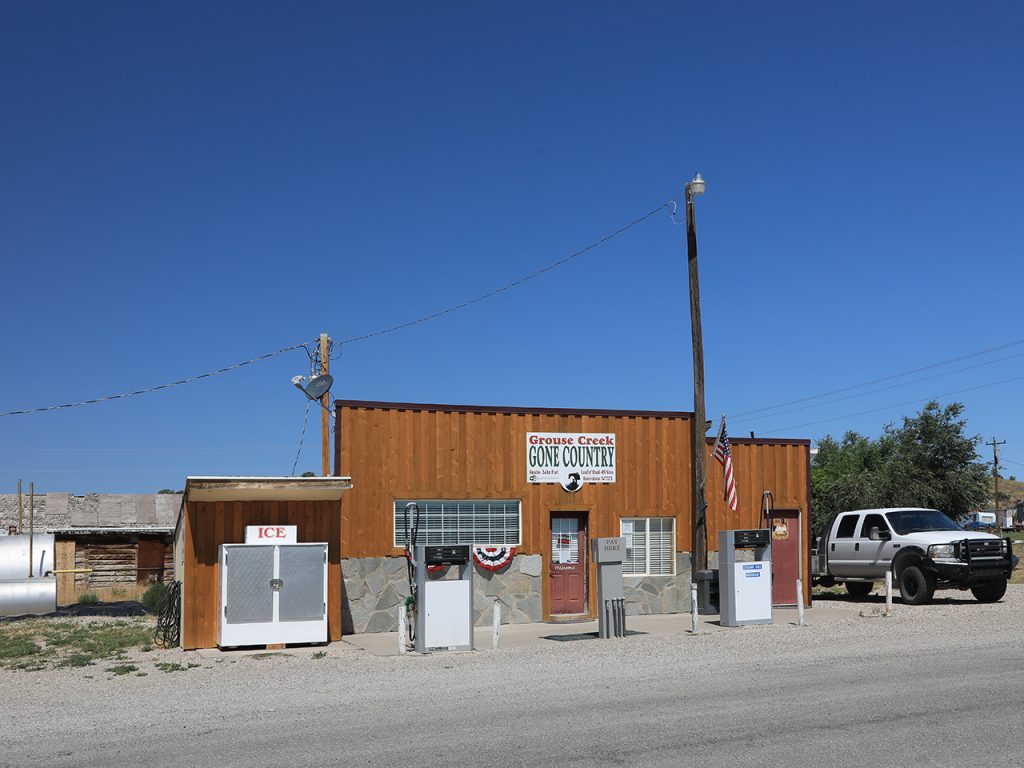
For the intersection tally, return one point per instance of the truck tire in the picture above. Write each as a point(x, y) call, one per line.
point(989, 591)
point(859, 588)
point(916, 585)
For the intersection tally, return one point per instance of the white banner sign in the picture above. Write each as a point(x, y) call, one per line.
point(271, 534)
point(570, 458)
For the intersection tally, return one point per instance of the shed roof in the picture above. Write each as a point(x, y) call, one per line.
point(266, 488)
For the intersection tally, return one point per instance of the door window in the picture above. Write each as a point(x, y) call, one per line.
point(872, 521)
point(847, 526)
point(565, 540)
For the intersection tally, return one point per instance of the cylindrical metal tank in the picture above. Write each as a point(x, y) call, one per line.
point(19, 594)
point(28, 596)
point(14, 555)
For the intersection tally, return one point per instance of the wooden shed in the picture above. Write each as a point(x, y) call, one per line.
point(216, 510)
point(497, 477)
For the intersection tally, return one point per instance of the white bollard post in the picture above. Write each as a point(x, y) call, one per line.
point(402, 629)
point(800, 602)
point(694, 621)
point(496, 626)
point(888, 591)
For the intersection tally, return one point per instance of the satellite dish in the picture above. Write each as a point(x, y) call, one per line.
point(318, 386)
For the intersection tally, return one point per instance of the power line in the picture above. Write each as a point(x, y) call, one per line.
point(392, 329)
point(879, 380)
point(883, 389)
point(305, 421)
point(158, 387)
point(514, 284)
point(896, 405)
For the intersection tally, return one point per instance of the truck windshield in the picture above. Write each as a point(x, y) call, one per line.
point(906, 521)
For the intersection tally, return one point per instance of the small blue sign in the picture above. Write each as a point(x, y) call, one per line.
point(753, 575)
point(752, 567)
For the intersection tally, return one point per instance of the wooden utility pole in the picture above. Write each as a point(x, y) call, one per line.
point(995, 474)
point(325, 401)
point(699, 544)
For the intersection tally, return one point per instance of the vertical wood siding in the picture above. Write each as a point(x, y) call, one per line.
point(430, 452)
point(210, 524)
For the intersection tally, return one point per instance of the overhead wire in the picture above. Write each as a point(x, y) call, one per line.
point(302, 436)
point(882, 389)
point(895, 405)
point(513, 284)
point(315, 355)
point(158, 387)
point(878, 380)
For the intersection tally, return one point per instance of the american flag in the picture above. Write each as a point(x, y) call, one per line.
point(724, 455)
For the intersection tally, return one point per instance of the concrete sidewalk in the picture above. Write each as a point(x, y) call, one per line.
point(523, 635)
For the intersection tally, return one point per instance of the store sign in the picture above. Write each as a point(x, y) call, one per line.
point(570, 458)
point(271, 534)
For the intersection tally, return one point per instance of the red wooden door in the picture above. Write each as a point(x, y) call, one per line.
point(785, 527)
point(150, 561)
point(568, 563)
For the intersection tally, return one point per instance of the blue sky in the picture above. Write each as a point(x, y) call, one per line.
point(186, 186)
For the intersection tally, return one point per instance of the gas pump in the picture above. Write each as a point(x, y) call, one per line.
point(439, 611)
point(745, 587)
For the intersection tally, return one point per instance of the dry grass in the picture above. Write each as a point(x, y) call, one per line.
point(36, 644)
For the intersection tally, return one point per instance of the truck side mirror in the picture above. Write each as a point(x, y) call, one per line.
point(877, 535)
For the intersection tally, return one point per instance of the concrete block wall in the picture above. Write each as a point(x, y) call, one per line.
point(56, 511)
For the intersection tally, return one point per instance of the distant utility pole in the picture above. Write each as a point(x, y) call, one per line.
point(325, 412)
point(995, 473)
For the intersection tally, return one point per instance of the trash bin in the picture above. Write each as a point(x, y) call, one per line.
point(707, 592)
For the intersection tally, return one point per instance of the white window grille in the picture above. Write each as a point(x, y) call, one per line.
point(650, 546)
point(486, 522)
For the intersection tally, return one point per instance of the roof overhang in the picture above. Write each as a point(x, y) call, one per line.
point(266, 488)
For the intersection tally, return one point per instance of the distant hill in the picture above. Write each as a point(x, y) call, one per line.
point(1012, 488)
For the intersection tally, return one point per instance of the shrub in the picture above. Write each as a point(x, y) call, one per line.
point(154, 596)
point(89, 598)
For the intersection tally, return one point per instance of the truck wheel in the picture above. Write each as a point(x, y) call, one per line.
point(916, 586)
point(859, 588)
point(989, 591)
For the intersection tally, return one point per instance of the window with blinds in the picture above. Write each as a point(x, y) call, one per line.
point(487, 523)
point(650, 546)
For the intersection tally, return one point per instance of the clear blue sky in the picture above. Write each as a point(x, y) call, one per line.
point(189, 185)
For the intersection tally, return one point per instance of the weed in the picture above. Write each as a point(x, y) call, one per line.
point(122, 669)
point(17, 646)
point(146, 648)
point(141, 674)
point(89, 598)
point(319, 654)
point(154, 596)
point(193, 666)
point(77, 660)
point(169, 666)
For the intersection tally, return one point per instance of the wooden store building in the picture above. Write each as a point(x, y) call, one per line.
point(529, 487)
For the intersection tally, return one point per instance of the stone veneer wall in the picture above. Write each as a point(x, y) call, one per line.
point(375, 586)
point(659, 594)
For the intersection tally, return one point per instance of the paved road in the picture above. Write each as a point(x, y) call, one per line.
point(942, 692)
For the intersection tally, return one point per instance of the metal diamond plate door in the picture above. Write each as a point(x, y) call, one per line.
point(302, 589)
point(248, 594)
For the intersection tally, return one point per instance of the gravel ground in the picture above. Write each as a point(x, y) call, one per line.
point(761, 692)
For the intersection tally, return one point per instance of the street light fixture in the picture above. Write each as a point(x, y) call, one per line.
point(699, 539)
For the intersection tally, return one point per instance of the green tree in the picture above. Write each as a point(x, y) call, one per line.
point(928, 461)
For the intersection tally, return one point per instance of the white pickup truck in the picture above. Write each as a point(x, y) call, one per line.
point(924, 549)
